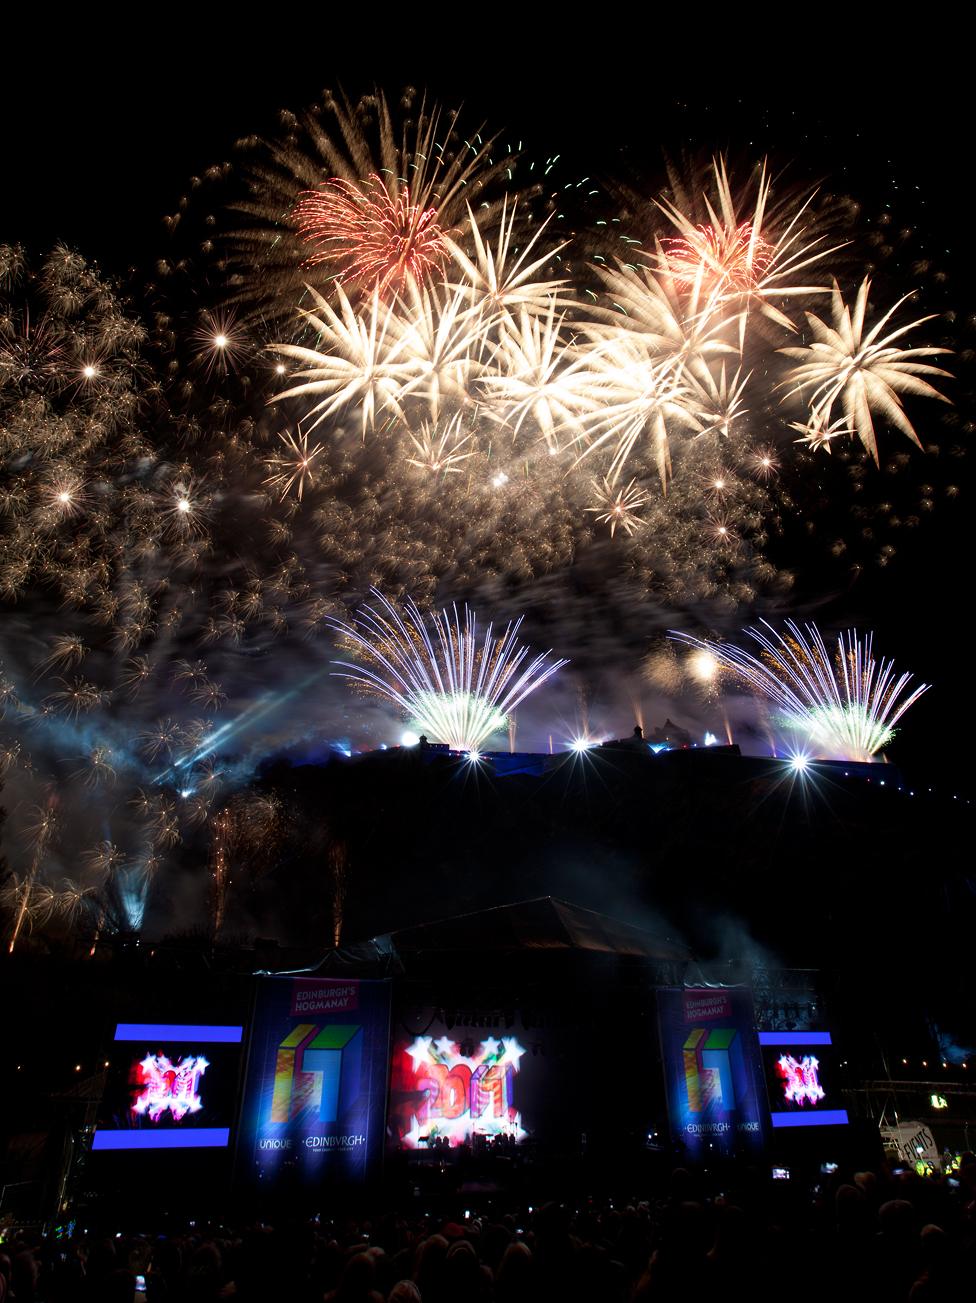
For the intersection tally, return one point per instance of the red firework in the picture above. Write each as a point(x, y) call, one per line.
point(735, 257)
point(371, 236)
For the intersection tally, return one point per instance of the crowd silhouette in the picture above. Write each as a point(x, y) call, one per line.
point(870, 1236)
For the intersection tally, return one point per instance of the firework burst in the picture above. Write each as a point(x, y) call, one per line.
point(818, 432)
point(618, 507)
point(374, 190)
point(538, 378)
point(861, 369)
point(183, 507)
point(745, 262)
point(439, 452)
point(453, 687)
point(357, 362)
point(369, 233)
point(735, 257)
point(63, 495)
point(645, 402)
point(292, 465)
point(845, 704)
point(219, 342)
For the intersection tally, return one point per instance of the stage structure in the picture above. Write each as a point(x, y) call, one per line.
point(476, 1040)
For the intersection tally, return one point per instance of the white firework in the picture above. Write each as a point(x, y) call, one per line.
point(618, 507)
point(358, 362)
point(454, 687)
point(644, 401)
point(439, 450)
point(536, 376)
point(500, 276)
point(846, 704)
point(439, 339)
point(861, 369)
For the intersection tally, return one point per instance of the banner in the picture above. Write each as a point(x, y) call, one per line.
point(711, 1067)
point(913, 1142)
point(315, 1094)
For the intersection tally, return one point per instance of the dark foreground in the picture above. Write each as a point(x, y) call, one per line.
point(873, 1236)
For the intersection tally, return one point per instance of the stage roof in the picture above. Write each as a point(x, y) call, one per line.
point(545, 923)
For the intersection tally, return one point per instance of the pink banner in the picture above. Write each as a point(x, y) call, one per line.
point(318, 997)
point(701, 1006)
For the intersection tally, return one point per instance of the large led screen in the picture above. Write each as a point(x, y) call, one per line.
point(485, 1077)
point(170, 1086)
point(801, 1079)
point(450, 1090)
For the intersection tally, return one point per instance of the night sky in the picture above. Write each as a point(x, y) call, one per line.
point(104, 131)
point(104, 128)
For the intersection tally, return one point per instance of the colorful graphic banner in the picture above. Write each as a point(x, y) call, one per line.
point(711, 1066)
point(315, 1096)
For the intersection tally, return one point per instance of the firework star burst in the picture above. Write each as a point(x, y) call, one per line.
point(845, 704)
point(452, 686)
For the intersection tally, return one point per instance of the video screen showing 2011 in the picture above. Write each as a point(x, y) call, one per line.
point(802, 1079)
point(170, 1086)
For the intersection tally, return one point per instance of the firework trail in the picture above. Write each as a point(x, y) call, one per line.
point(23, 893)
point(244, 836)
point(846, 704)
point(220, 868)
point(451, 688)
point(337, 858)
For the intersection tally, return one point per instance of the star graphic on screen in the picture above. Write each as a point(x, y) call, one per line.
point(419, 1051)
point(411, 1138)
point(489, 1048)
point(444, 1047)
point(513, 1052)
